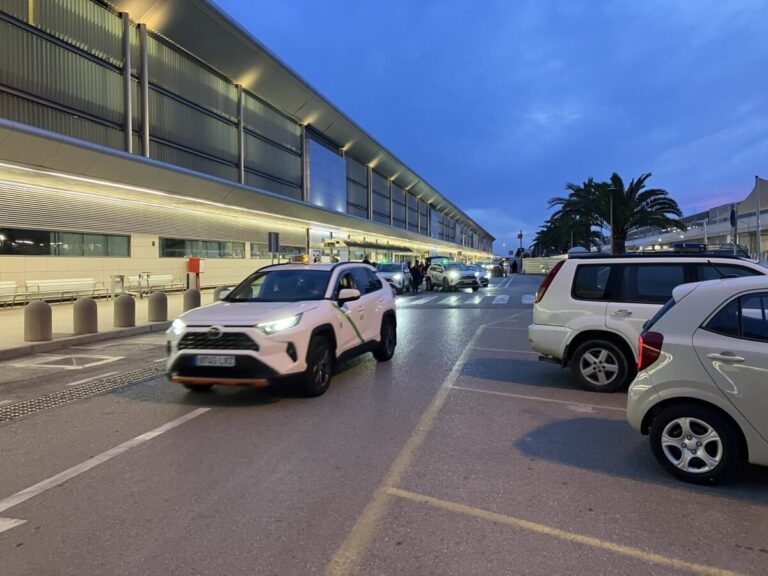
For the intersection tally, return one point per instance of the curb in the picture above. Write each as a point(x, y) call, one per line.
point(60, 343)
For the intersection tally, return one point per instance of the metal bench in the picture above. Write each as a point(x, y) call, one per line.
point(153, 283)
point(64, 288)
point(8, 292)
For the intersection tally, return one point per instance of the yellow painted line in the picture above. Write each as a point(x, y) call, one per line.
point(538, 398)
point(565, 535)
point(347, 558)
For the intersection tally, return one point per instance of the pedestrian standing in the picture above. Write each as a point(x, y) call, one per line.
point(416, 278)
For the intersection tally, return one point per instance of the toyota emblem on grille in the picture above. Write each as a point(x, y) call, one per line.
point(214, 333)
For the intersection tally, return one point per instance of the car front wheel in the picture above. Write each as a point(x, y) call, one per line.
point(601, 366)
point(317, 378)
point(695, 443)
point(386, 347)
point(428, 284)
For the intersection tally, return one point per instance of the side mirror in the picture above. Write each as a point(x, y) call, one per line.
point(348, 295)
point(224, 293)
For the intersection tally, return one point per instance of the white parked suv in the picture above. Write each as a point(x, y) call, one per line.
point(294, 320)
point(702, 391)
point(590, 309)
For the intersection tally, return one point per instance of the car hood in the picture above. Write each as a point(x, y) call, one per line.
point(244, 313)
point(388, 274)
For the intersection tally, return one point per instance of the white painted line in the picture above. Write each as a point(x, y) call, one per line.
point(84, 380)
point(449, 300)
point(535, 399)
point(503, 299)
point(8, 523)
point(475, 299)
point(529, 299)
point(4, 402)
point(78, 469)
point(422, 300)
point(160, 360)
point(98, 361)
point(506, 350)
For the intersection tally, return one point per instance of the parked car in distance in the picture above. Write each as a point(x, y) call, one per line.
point(701, 393)
point(484, 274)
point(452, 276)
point(291, 320)
point(397, 274)
point(494, 267)
point(590, 308)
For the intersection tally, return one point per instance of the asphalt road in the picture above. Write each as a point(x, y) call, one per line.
point(463, 455)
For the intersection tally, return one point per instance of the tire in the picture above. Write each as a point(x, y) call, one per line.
point(317, 377)
point(198, 387)
point(386, 348)
point(475, 288)
point(399, 291)
point(682, 428)
point(601, 366)
point(428, 284)
point(446, 287)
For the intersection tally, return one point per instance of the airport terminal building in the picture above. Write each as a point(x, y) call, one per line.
point(136, 134)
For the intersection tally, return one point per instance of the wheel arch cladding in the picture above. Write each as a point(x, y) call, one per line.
point(327, 331)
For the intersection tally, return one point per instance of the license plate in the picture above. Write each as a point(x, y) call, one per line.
point(228, 361)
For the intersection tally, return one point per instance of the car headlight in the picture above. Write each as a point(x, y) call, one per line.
point(397, 277)
point(177, 327)
point(279, 325)
point(477, 274)
point(453, 275)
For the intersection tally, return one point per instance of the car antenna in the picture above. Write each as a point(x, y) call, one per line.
point(722, 274)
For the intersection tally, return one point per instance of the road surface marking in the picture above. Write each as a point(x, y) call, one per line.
point(574, 537)
point(449, 300)
point(8, 523)
point(507, 350)
point(159, 359)
point(539, 398)
point(528, 299)
point(475, 299)
point(4, 402)
point(503, 299)
point(78, 469)
point(84, 380)
point(346, 559)
point(67, 362)
point(422, 300)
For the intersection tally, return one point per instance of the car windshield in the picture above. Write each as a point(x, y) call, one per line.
point(390, 268)
point(282, 286)
point(455, 266)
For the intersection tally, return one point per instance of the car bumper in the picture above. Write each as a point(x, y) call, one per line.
point(641, 397)
point(464, 283)
point(269, 358)
point(548, 340)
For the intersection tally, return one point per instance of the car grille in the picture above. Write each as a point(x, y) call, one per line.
point(468, 277)
point(225, 341)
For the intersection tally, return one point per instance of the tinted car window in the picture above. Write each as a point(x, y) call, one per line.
point(650, 283)
point(282, 286)
point(365, 280)
point(754, 321)
point(708, 272)
point(726, 321)
point(591, 282)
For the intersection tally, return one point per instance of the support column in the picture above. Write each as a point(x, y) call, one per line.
point(128, 120)
point(144, 84)
point(391, 215)
point(370, 192)
point(305, 163)
point(240, 136)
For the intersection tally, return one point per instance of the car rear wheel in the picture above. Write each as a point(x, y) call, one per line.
point(198, 387)
point(386, 348)
point(428, 284)
point(475, 288)
point(601, 366)
point(695, 443)
point(317, 378)
point(446, 286)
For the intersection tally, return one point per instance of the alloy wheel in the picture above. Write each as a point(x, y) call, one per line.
point(692, 445)
point(599, 366)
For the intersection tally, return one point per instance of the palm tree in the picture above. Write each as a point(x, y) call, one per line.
point(562, 232)
point(623, 208)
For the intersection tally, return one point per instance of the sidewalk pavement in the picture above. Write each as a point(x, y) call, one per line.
point(12, 344)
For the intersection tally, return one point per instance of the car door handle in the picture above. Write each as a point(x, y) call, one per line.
point(623, 313)
point(725, 357)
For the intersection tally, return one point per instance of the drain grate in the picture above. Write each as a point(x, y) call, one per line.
point(27, 407)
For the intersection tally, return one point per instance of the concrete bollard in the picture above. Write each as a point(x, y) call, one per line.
point(158, 307)
point(125, 311)
point(191, 299)
point(38, 323)
point(218, 290)
point(85, 316)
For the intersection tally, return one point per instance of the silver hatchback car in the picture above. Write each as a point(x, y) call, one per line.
point(701, 393)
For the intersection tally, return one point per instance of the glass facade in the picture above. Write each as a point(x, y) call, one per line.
point(357, 188)
point(327, 177)
point(184, 248)
point(261, 251)
point(398, 206)
point(21, 242)
point(381, 199)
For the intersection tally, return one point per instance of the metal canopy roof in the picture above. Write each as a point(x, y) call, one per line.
point(203, 29)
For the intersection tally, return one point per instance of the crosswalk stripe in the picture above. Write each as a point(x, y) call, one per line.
point(419, 300)
point(502, 299)
point(449, 300)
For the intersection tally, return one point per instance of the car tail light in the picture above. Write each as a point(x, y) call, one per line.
point(547, 281)
point(650, 349)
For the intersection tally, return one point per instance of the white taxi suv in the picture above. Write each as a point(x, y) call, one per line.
point(289, 321)
point(701, 394)
point(590, 309)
